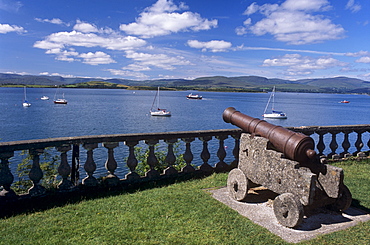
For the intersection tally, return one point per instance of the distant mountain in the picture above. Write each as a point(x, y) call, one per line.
point(242, 83)
point(40, 80)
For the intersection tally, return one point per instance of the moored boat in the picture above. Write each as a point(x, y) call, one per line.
point(158, 112)
point(25, 102)
point(274, 113)
point(58, 100)
point(194, 96)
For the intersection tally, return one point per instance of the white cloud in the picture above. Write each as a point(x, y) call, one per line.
point(10, 5)
point(293, 22)
point(55, 74)
point(86, 35)
point(303, 65)
point(162, 61)
point(85, 27)
point(357, 54)
point(55, 21)
point(294, 50)
point(126, 73)
point(63, 55)
point(253, 8)
point(213, 46)
point(306, 5)
point(161, 19)
point(352, 6)
point(365, 59)
point(364, 56)
point(137, 67)
point(75, 38)
point(5, 28)
point(96, 58)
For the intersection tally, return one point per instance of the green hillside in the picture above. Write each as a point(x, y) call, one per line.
point(214, 83)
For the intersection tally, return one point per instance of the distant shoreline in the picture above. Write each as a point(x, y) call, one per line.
point(105, 85)
point(119, 86)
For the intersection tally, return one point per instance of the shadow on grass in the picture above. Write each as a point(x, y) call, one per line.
point(356, 204)
point(26, 204)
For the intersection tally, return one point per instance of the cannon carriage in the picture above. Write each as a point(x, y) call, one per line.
point(284, 162)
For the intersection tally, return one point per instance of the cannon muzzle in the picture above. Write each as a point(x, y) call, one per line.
point(295, 146)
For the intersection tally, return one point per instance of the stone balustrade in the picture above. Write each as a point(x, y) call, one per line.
point(69, 150)
point(203, 153)
point(353, 139)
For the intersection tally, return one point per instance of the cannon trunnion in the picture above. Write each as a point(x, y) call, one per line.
point(303, 183)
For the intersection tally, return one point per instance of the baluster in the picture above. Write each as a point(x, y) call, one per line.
point(359, 144)
point(234, 164)
point(90, 165)
point(221, 166)
point(368, 142)
point(321, 145)
point(333, 144)
point(205, 167)
point(6, 176)
point(188, 156)
point(64, 169)
point(152, 160)
point(346, 144)
point(75, 172)
point(132, 161)
point(111, 164)
point(36, 173)
point(170, 158)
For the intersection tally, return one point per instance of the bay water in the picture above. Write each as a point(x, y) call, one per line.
point(116, 111)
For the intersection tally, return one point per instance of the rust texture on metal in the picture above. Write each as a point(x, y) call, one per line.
point(295, 146)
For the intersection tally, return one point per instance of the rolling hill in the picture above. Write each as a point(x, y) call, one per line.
point(215, 83)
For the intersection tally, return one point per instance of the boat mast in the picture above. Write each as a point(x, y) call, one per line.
point(155, 98)
point(273, 98)
point(272, 95)
point(25, 96)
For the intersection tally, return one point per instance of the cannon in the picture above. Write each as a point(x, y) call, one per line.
point(286, 163)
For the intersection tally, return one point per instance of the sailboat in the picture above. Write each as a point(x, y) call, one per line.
point(274, 113)
point(59, 101)
point(25, 102)
point(157, 111)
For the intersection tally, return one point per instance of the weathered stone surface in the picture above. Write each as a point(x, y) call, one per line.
point(288, 210)
point(270, 169)
point(311, 184)
point(237, 184)
point(331, 180)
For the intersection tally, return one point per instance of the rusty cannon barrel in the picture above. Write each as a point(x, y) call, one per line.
point(295, 146)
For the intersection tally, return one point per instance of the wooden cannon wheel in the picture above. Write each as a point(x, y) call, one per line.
point(288, 210)
point(237, 184)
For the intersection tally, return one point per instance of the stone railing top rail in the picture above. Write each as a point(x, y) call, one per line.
point(338, 128)
point(51, 142)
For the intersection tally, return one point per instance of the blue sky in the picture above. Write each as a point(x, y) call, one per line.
point(152, 39)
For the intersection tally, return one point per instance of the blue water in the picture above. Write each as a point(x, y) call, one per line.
point(109, 111)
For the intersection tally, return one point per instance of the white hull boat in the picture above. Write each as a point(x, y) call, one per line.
point(158, 111)
point(274, 114)
point(25, 102)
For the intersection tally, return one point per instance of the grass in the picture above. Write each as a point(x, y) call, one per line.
point(182, 213)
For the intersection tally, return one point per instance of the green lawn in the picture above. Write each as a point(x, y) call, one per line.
point(182, 213)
